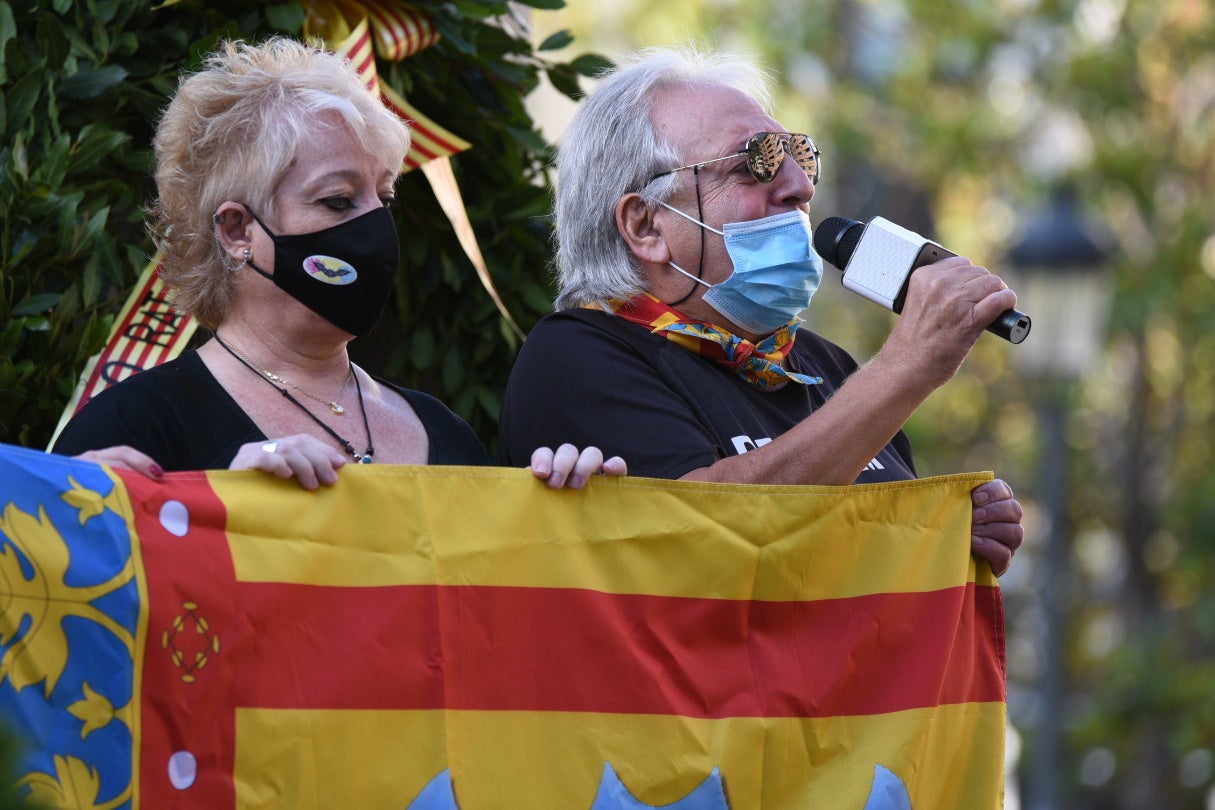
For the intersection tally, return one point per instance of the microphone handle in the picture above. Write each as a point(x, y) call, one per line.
point(1012, 325)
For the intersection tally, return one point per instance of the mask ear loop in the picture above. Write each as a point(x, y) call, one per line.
point(700, 215)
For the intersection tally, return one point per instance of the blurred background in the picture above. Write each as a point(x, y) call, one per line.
point(1068, 145)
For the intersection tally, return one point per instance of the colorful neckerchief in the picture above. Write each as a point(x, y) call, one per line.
point(757, 363)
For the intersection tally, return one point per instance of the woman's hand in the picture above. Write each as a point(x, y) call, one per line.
point(305, 458)
point(568, 467)
point(122, 457)
point(995, 525)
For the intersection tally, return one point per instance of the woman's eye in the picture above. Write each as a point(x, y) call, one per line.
point(338, 203)
point(389, 202)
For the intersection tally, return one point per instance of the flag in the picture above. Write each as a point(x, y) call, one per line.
point(461, 637)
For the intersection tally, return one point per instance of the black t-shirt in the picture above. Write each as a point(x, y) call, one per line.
point(181, 416)
point(591, 378)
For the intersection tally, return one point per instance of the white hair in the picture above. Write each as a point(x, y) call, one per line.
point(612, 148)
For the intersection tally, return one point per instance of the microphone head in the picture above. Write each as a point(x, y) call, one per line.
point(835, 238)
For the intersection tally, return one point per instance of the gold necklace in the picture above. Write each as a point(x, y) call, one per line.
point(334, 405)
point(361, 458)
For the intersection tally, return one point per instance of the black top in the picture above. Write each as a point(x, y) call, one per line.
point(591, 378)
point(181, 416)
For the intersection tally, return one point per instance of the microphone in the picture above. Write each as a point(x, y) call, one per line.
point(877, 260)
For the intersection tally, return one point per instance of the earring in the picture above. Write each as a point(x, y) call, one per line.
point(247, 254)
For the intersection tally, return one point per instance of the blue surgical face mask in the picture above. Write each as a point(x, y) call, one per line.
point(776, 271)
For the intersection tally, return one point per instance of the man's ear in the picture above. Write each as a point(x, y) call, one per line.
point(641, 231)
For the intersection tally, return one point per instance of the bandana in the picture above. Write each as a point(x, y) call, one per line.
point(757, 363)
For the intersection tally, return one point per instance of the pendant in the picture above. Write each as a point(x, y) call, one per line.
point(336, 408)
point(364, 459)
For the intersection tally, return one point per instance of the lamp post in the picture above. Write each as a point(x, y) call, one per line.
point(1061, 278)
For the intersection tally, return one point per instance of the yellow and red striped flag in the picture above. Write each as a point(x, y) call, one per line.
point(448, 637)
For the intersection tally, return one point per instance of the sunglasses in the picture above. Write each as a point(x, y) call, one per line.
point(765, 152)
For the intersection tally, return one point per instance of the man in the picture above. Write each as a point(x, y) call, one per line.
point(684, 258)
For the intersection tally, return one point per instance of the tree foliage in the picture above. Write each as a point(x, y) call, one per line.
point(84, 82)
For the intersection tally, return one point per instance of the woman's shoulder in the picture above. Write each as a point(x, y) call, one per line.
point(452, 440)
point(148, 411)
point(176, 379)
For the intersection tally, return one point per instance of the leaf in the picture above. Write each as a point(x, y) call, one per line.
point(592, 64)
point(36, 304)
point(564, 80)
point(536, 297)
point(288, 17)
point(92, 229)
point(453, 369)
point(91, 83)
point(54, 164)
point(53, 41)
point(8, 31)
point(548, 5)
point(557, 41)
point(93, 144)
point(90, 285)
point(490, 402)
point(422, 348)
point(479, 10)
point(68, 215)
point(22, 98)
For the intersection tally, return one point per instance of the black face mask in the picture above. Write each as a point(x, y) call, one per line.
point(344, 273)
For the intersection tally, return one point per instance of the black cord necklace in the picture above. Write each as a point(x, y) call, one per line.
point(365, 458)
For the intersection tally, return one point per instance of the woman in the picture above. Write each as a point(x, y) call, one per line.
point(275, 170)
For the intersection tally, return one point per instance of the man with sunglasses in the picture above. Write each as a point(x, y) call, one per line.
point(684, 260)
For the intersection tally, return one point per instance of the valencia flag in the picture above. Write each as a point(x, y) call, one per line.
point(458, 637)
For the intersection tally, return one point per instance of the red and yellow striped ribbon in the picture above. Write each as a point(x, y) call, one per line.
point(393, 31)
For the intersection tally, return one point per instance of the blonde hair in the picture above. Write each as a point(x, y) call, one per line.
point(230, 133)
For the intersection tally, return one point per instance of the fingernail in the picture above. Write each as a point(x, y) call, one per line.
point(157, 471)
point(982, 497)
point(576, 481)
point(978, 514)
point(555, 480)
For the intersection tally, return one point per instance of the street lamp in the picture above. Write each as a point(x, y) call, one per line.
point(1061, 276)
